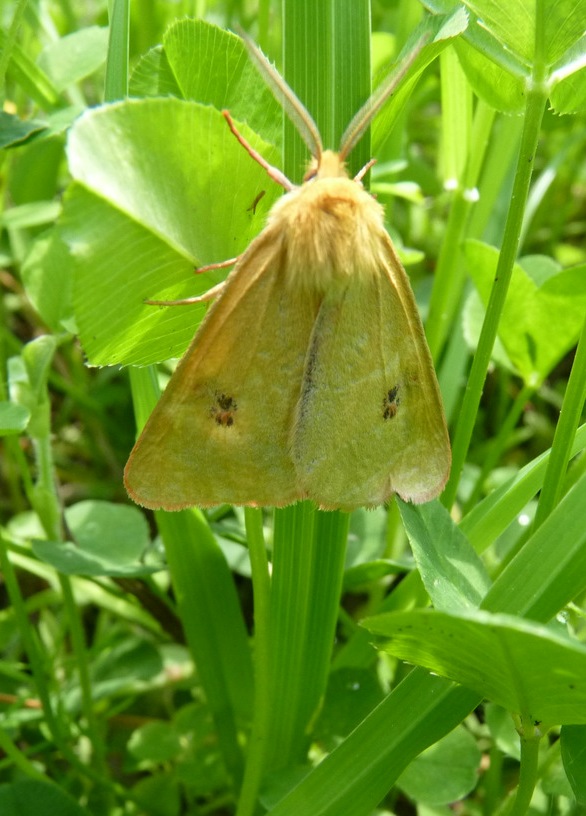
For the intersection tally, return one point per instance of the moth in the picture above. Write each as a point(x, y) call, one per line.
point(310, 376)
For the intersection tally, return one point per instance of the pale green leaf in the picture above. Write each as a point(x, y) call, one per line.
point(490, 653)
point(204, 63)
point(211, 65)
point(14, 130)
point(28, 796)
point(573, 748)
point(444, 772)
point(13, 418)
point(47, 277)
point(452, 573)
point(543, 313)
point(75, 56)
point(110, 539)
point(162, 186)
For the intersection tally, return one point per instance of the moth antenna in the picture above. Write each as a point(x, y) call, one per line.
point(292, 105)
point(273, 172)
point(361, 173)
point(361, 121)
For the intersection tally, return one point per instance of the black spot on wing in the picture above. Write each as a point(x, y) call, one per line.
point(391, 402)
point(224, 409)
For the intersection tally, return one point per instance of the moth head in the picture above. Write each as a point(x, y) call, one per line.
point(327, 165)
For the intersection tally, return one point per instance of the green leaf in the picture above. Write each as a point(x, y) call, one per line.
point(550, 570)
point(563, 24)
point(366, 550)
point(203, 63)
point(110, 539)
point(15, 131)
point(212, 619)
point(543, 313)
point(360, 771)
point(31, 215)
point(155, 742)
point(121, 669)
point(36, 178)
point(75, 56)
point(488, 519)
point(28, 75)
point(38, 357)
point(46, 275)
point(498, 51)
point(501, 88)
point(351, 695)
point(569, 96)
point(162, 185)
point(307, 567)
point(211, 66)
point(444, 772)
point(573, 748)
point(159, 794)
point(497, 74)
point(152, 76)
point(30, 797)
point(27, 377)
point(568, 93)
point(374, 570)
point(199, 768)
point(452, 573)
point(13, 418)
point(514, 30)
point(491, 653)
point(502, 730)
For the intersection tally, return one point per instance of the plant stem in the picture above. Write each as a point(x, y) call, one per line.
point(536, 99)
point(450, 273)
point(530, 740)
point(565, 432)
point(19, 759)
point(258, 743)
point(326, 48)
point(498, 444)
point(36, 660)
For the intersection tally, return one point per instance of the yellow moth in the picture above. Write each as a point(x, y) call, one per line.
point(310, 377)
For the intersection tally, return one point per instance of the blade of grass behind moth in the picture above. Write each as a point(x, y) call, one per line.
point(309, 546)
point(292, 105)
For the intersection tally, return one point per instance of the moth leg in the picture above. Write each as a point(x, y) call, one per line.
point(209, 295)
point(218, 265)
point(273, 172)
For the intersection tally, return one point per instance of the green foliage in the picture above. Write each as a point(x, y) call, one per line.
point(489, 653)
point(137, 228)
point(233, 662)
point(541, 295)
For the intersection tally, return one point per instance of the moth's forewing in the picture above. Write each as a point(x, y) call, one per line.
point(220, 432)
point(370, 420)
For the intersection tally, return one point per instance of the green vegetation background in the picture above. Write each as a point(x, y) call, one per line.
point(137, 676)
